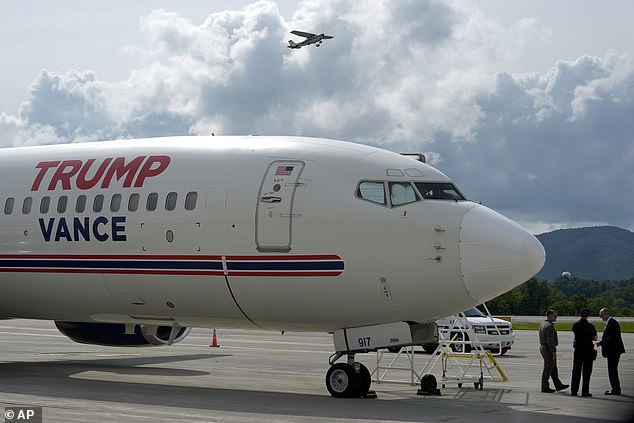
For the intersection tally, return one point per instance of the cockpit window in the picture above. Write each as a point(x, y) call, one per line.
point(402, 193)
point(372, 191)
point(394, 194)
point(438, 191)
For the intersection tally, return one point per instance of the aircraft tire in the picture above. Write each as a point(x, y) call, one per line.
point(460, 348)
point(430, 348)
point(428, 384)
point(342, 381)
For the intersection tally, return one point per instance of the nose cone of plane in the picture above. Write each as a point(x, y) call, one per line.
point(496, 254)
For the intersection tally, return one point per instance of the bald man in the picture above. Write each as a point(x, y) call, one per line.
point(611, 348)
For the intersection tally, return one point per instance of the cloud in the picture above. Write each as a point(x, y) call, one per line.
point(412, 75)
point(391, 72)
point(556, 147)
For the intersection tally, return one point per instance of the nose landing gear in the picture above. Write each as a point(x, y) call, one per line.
point(349, 380)
point(352, 379)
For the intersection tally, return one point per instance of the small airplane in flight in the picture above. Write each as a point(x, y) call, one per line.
point(310, 39)
point(132, 243)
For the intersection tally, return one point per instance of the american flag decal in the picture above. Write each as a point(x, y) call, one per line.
point(284, 170)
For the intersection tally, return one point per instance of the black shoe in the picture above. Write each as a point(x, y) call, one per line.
point(562, 387)
point(587, 394)
point(612, 392)
point(573, 394)
point(548, 390)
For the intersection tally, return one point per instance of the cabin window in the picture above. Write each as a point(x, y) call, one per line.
point(372, 191)
point(97, 205)
point(80, 205)
point(170, 201)
point(133, 202)
point(190, 200)
point(402, 193)
point(45, 204)
point(152, 201)
point(231, 199)
point(439, 191)
point(212, 200)
point(62, 202)
point(8, 205)
point(26, 205)
point(115, 203)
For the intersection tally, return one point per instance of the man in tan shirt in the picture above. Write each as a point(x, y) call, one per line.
point(548, 342)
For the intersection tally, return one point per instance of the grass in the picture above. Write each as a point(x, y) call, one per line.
point(626, 327)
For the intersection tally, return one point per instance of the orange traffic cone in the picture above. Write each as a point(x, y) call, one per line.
point(214, 340)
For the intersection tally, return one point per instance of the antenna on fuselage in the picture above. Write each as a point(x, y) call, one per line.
point(416, 156)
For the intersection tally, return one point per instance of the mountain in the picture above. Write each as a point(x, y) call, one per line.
point(594, 253)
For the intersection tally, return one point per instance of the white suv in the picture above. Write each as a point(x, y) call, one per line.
point(494, 334)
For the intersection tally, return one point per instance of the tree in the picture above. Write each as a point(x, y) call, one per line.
point(536, 297)
point(567, 296)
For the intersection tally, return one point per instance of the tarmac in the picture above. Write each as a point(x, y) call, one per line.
point(274, 377)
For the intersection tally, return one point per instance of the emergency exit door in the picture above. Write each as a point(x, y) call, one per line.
point(274, 214)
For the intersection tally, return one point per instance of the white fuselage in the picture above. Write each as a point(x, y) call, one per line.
point(249, 232)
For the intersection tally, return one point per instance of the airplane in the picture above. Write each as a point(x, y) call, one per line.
point(316, 39)
point(134, 242)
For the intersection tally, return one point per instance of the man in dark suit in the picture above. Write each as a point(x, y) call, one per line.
point(584, 353)
point(611, 348)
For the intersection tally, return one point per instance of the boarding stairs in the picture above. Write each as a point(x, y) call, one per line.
point(458, 363)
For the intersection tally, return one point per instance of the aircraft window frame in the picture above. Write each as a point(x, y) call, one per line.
point(190, 200)
point(97, 205)
point(8, 205)
point(133, 202)
point(152, 201)
point(413, 191)
point(394, 172)
point(414, 173)
point(80, 203)
point(424, 189)
point(231, 199)
point(62, 203)
point(45, 204)
point(171, 200)
point(369, 196)
point(27, 205)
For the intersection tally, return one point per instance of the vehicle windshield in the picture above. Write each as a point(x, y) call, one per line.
point(473, 312)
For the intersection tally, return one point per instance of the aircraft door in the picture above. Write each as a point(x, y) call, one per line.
point(274, 214)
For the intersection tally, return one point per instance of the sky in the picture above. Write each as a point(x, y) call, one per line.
point(527, 105)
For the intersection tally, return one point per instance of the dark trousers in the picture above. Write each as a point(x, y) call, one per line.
point(550, 368)
point(613, 372)
point(581, 366)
